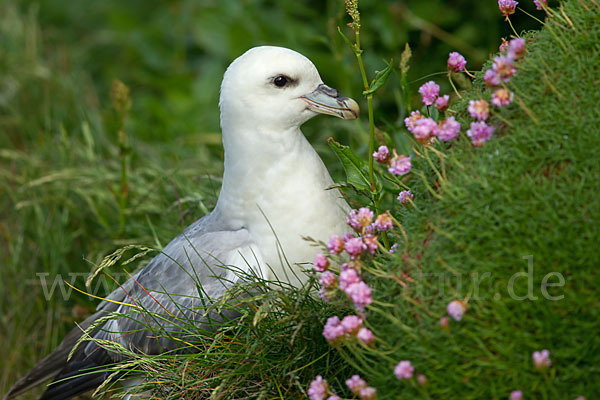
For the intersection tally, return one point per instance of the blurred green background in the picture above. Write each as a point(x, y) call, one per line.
point(173, 53)
point(59, 152)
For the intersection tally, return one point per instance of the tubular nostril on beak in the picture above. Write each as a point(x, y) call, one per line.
point(328, 91)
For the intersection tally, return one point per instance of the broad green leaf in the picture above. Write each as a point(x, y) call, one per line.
point(380, 78)
point(356, 168)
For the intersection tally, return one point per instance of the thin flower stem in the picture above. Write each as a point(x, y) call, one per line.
point(526, 13)
point(434, 169)
point(512, 27)
point(452, 84)
point(371, 144)
point(469, 74)
point(363, 73)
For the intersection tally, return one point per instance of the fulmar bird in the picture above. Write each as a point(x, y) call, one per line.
point(275, 190)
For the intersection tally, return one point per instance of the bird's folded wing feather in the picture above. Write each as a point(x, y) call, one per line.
point(177, 287)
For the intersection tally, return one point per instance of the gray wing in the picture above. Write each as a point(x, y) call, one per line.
point(179, 284)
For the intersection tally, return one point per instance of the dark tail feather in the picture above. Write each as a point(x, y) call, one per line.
point(53, 364)
point(79, 378)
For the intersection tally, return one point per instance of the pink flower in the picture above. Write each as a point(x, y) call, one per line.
point(333, 330)
point(318, 389)
point(368, 393)
point(541, 359)
point(479, 109)
point(491, 78)
point(429, 92)
point(516, 48)
point(502, 97)
point(384, 222)
point(441, 103)
point(394, 248)
point(352, 220)
point(404, 370)
point(538, 4)
point(405, 196)
point(516, 395)
point(321, 262)
point(354, 247)
point(382, 155)
point(365, 336)
point(422, 379)
point(359, 220)
point(400, 165)
point(411, 122)
point(504, 68)
point(448, 129)
point(456, 62)
point(456, 309)
point(334, 397)
point(365, 216)
point(424, 129)
point(371, 244)
point(328, 282)
point(348, 277)
point(351, 324)
point(328, 279)
point(360, 294)
point(444, 323)
point(348, 236)
point(355, 384)
point(507, 7)
point(479, 133)
point(335, 245)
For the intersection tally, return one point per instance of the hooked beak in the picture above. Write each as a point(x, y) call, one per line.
point(326, 100)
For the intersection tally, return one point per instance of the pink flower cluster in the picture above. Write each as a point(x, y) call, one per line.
point(397, 165)
point(516, 395)
point(507, 7)
point(354, 287)
point(359, 388)
point(503, 70)
point(405, 197)
point(424, 129)
point(382, 155)
point(456, 309)
point(359, 220)
point(541, 359)
point(349, 280)
point(318, 389)
point(350, 283)
point(502, 97)
point(350, 327)
point(480, 132)
point(456, 62)
point(479, 109)
point(429, 92)
point(404, 370)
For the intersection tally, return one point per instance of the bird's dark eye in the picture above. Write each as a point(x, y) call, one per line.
point(280, 81)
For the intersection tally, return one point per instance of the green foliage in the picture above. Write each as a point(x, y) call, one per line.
point(522, 204)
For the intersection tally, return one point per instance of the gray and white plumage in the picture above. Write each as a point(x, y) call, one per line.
point(275, 190)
